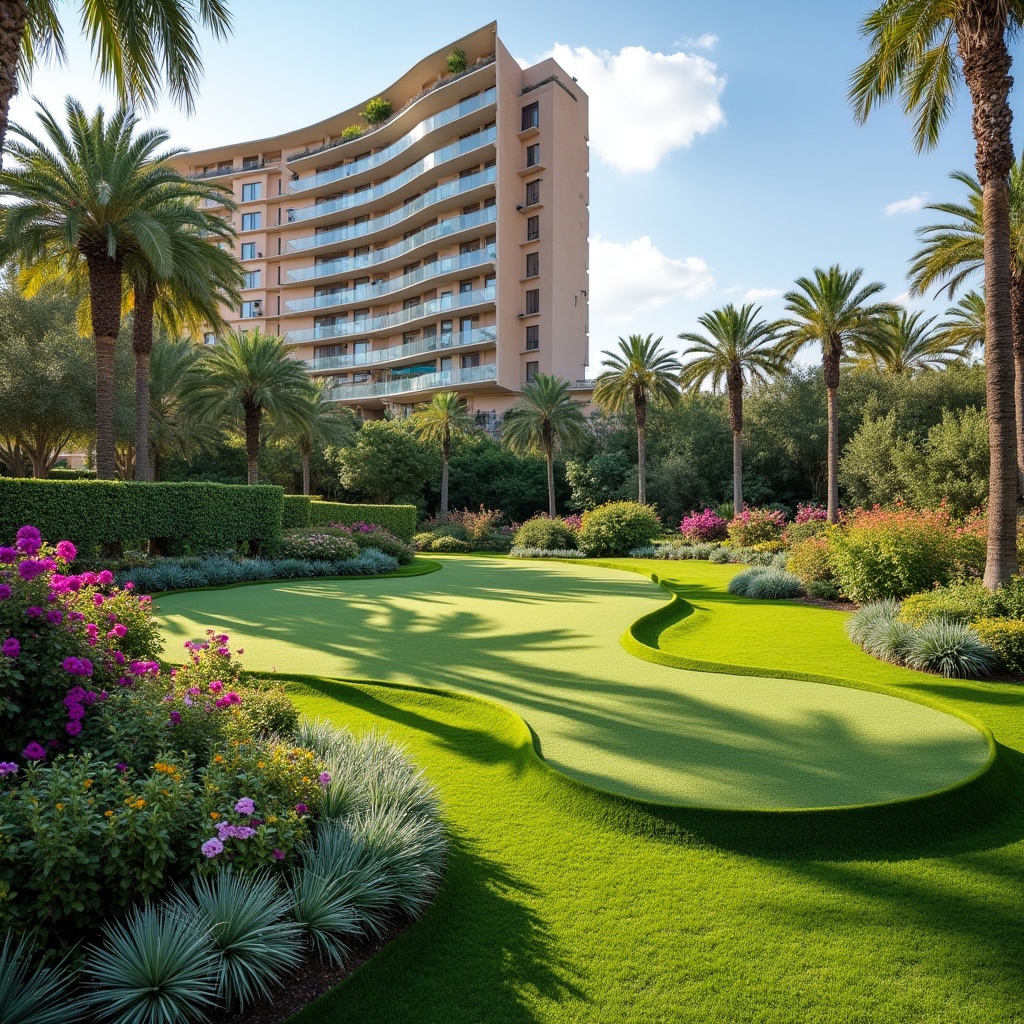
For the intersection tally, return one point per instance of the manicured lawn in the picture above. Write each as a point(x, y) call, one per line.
point(543, 638)
point(562, 905)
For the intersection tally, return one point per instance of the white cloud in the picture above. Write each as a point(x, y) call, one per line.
point(633, 277)
point(902, 299)
point(911, 205)
point(644, 105)
point(757, 294)
point(707, 41)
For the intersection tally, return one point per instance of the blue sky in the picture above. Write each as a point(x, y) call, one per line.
point(724, 159)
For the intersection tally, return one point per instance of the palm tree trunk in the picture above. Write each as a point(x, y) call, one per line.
point(252, 443)
point(12, 31)
point(1017, 318)
point(640, 406)
point(142, 344)
point(446, 454)
point(305, 470)
point(830, 359)
point(105, 305)
point(551, 482)
point(981, 40)
point(736, 422)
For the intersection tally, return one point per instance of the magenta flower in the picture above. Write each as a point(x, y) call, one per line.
point(8, 555)
point(105, 578)
point(325, 778)
point(5, 591)
point(121, 767)
point(66, 550)
point(11, 647)
point(77, 666)
point(216, 686)
point(8, 768)
point(175, 717)
point(245, 805)
point(118, 630)
point(278, 855)
point(33, 611)
point(301, 808)
point(29, 540)
point(97, 600)
point(129, 585)
point(212, 847)
point(55, 616)
point(74, 727)
point(34, 752)
point(76, 711)
point(30, 568)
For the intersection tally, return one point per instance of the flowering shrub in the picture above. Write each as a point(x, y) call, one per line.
point(703, 527)
point(810, 513)
point(369, 535)
point(1006, 638)
point(809, 560)
point(332, 545)
point(756, 526)
point(484, 530)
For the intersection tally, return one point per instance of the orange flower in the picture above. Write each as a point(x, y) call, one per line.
point(87, 783)
point(60, 807)
point(214, 815)
point(108, 814)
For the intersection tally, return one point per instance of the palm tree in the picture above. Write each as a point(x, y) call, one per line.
point(101, 198)
point(964, 326)
point(738, 347)
point(247, 376)
point(913, 51)
point(903, 343)
point(545, 419)
point(833, 310)
point(441, 421)
point(135, 45)
point(953, 252)
point(638, 374)
point(328, 423)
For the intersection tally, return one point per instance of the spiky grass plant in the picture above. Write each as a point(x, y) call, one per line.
point(951, 648)
point(31, 995)
point(773, 585)
point(324, 914)
point(865, 620)
point(739, 585)
point(156, 967)
point(255, 942)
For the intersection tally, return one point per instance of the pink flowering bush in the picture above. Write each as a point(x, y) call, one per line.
point(369, 535)
point(703, 527)
point(810, 513)
point(756, 526)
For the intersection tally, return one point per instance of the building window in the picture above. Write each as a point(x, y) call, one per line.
point(251, 309)
point(252, 192)
point(209, 338)
point(248, 250)
point(250, 163)
point(533, 300)
point(360, 378)
point(468, 362)
point(251, 279)
point(533, 155)
point(531, 116)
point(321, 352)
point(361, 352)
point(465, 287)
point(532, 369)
point(251, 221)
point(532, 229)
point(533, 338)
point(533, 264)
point(532, 192)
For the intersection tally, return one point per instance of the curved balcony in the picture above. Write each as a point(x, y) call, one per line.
point(372, 325)
point(424, 382)
point(370, 292)
point(367, 163)
point(439, 343)
point(362, 196)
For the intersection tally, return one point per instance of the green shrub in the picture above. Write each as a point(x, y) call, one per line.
point(549, 534)
point(456, 61)
point(719, 556)
point(60, 473)
point(295, 511)
point(368, 535)
point(265, 711)
point(377, 111)
point(397, 519)
point(451, 545)
point(180, 516)
point(423, 541)
point(763, 584)
point(794, 533)
point(756, 526)
point(960, 602)
point(1006, 638)
point(809, 560)
point(823, 590)
point(311, 542)
point(353, 131)
point(617, 527)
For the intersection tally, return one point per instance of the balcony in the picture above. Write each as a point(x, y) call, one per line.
point(371, 325)
point(369, 292)
point(439, 343)
point(219, 172)
point(368, 163)
point(478, 140)
point(423, 382)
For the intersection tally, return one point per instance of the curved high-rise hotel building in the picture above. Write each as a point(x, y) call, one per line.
point(445, 248)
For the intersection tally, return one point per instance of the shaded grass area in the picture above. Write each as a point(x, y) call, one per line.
point(543, 640)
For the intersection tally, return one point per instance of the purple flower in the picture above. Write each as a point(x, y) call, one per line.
point(118, 630)
point(30, 568)
point(119, 657)
point(301, 808)
point(11, 647)
point(325, 778)
point(129, 585)
point(212, 847)
point(76, 711)
point(29, 540)
point(226, 830)
point(55, 616)
point(75, 696)
point(66, 550)
point(33, 752)
point(5, 591)
point(216, 686)
point(33, 610)
point(278, 855)
point(245, 806)
point(175, 717)
point(8, 555)
point(77, 666)
point(121, 767)
point(74, 727)
point(7, 768)
point(97, 600)
point(105, 578)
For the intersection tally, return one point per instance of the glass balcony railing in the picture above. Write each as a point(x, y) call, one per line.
point(361, 196)
point(363, 292)
point(367, 163)
point(347, 328)
point(439, 343)
point(442, 229)
point(423, 382)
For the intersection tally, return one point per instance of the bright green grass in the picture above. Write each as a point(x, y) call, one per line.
point(543, 639)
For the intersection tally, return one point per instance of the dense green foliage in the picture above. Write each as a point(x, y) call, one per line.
point(300, 511)
point(617, 528)
point(547, 534)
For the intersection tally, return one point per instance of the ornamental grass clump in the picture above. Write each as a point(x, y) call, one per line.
point(766, 584)
point(29, 993)
point(952, 649)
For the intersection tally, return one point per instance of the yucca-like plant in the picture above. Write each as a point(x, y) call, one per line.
point(324, 914)
point(255, 943)
point(773, 585)
point(863, 621)
point(889, 639)
point(739, 585)
point(28, 995)
point(156, 967)
point(951, 648)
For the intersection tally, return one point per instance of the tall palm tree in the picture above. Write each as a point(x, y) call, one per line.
point(245, 377)
point(831, 308)
point(543, 420)
point(137, 45)
point(638, 374)
point(737, 347)
point(328, 423)
point(903, 343)
point(97, 196)
point(954, 251)
point(964, 325)
point(913, 50)
point(441, 421)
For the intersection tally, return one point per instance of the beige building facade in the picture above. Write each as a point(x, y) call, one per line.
point(444, 249)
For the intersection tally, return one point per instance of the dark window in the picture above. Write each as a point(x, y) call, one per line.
point(326, 352)
point(533, 300)
point(533, 264)
point(533, 192)
point(468, 362)
point(533, 155)
point(465, 286)
point(532, 229)
point(531, 116)
point(533, 338)
point(532, 369)
point(250, 163)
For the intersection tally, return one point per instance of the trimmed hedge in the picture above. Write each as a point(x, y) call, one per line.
point(183, 517)
point(300, 510)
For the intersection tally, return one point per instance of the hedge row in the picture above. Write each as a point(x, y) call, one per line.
point(303, 511)
point(181, 517)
